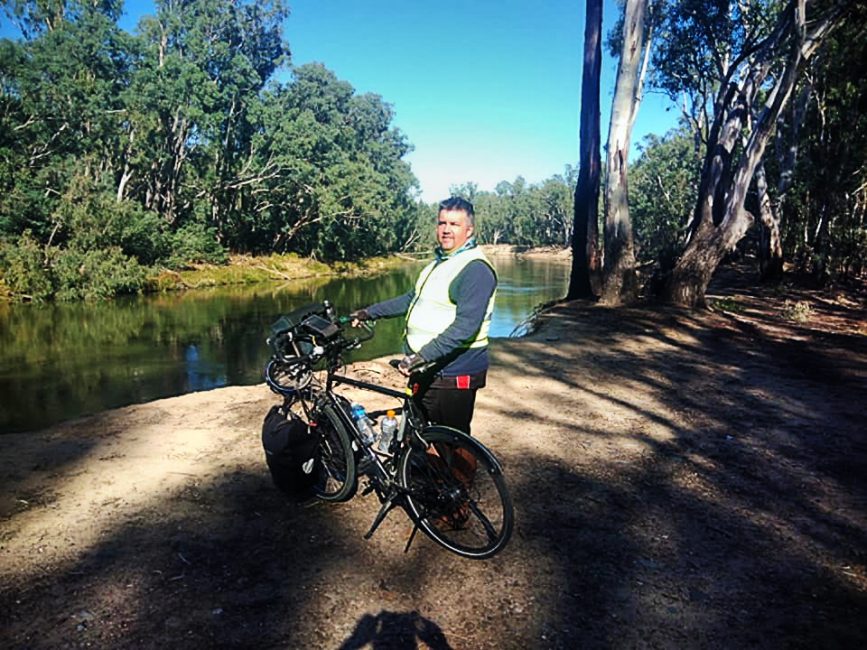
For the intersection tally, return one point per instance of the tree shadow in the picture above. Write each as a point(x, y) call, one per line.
point(233, 564)
point(729, 511)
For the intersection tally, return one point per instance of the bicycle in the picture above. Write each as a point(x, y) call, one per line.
point(450, 485)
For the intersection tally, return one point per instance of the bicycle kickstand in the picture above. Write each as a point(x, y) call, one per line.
point(411, 537)
point(387, 505)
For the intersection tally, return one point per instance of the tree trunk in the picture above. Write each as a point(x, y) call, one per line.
point(771, 245)
point(127, 173)
point(821, 246)
point(586, 211)
point(620, 283)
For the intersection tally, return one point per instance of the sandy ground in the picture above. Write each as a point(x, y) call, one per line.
point(680, 481)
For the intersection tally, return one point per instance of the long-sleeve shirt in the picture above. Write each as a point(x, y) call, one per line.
point(470, 291)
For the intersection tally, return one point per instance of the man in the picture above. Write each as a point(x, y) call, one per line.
point(448, 315)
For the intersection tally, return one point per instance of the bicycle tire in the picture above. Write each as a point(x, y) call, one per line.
point(456, 493)
point(287, 379)
point(338, 479)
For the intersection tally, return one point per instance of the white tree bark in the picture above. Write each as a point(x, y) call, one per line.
point(619, 280)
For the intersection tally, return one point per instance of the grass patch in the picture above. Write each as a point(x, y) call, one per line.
point(729, 304)
point(247, 269)
point(798, 311)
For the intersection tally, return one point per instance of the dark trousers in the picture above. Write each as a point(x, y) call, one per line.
point(450, 407)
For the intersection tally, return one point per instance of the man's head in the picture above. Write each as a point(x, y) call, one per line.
point(455, 223)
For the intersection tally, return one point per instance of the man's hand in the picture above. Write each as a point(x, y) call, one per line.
point(409, 363)
point(359, 316)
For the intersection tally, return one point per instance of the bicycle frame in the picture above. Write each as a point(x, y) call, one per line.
point(382, 480)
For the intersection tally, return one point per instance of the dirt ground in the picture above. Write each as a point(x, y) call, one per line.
point(681, 480)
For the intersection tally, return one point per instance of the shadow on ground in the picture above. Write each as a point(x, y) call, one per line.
point(710, 493)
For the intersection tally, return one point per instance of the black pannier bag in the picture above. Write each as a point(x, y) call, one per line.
point(291, 451)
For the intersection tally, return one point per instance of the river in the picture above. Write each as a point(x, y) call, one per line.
point(60, 361)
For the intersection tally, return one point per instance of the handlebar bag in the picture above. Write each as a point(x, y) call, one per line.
point(291, 452)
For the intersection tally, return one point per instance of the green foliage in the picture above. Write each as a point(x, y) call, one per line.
point(171, 146)
point(96, 274)
point(25, 268)
point(729, 304)
point(799, 311)
point(524, 214)
point(34, 272)
point(333, 167)
point(194, 243)
point(823, 211)
point(89, 219)
point(662, 195)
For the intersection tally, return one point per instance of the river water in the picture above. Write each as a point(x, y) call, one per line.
point(61, 361)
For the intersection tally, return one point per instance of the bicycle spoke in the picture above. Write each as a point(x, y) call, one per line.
point(486, 523)
point(455, 495)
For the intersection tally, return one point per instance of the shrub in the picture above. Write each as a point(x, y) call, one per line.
point(99, 221)
point(97, 274)
point(195, 243)
point(26, 268)
point(799, 311)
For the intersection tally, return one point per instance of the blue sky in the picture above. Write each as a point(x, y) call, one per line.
point(485, 90)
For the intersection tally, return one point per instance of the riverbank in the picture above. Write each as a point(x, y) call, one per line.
point(680, 479)
point(244, 269)
point(247, 269)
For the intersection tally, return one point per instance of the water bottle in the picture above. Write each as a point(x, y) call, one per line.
point(389, 428)
point(363, 423)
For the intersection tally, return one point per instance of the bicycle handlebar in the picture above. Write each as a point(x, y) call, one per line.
point(309, 333)
point(395, 363)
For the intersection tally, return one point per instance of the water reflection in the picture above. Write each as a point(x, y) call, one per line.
point(61, 361)
point(201, 373)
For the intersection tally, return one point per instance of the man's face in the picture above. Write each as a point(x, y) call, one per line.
point(453, 229)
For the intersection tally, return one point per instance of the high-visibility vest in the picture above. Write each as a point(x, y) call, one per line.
point(432, 311)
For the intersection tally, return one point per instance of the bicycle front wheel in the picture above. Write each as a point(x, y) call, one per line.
point(338, 477)
point(456, 493)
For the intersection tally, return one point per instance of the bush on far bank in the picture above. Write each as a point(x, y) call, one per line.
point(30, 271)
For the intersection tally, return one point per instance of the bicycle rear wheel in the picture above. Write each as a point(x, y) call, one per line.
point(456, 493)
point(338, 479)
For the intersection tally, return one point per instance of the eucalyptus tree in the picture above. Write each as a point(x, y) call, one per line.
point(662, 190)
point(332, 179)
point(522, 213)
point(620, 283)
point(493, 225)
point(201, 69)
point(557, 208)
point(585, 230)
point(727, 58)
point(60, 100)
point(824, 207)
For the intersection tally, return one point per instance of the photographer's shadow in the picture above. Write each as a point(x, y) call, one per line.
point(396, 631)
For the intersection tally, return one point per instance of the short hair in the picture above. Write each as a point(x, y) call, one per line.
point(459, 204)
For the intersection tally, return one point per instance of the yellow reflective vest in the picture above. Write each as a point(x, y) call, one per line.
point(432, 310)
